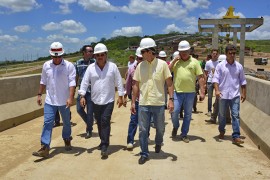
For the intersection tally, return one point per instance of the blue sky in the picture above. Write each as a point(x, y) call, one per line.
point(28, 27)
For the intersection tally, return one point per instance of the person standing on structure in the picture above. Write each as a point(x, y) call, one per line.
point(149, 79)
point(81, 66)
point(103, 76)
point(58, 78)
point(185, 70)
point(209, 72)
point(229, 78)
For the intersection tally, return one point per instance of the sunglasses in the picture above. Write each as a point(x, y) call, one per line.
point(56, 56)
point(145, 50)
point(232, 53)
point(100, 55)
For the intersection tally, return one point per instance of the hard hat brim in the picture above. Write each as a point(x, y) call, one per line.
point(58, 54)
point(184, 49)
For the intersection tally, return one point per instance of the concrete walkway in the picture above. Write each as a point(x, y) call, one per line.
point(205, 157)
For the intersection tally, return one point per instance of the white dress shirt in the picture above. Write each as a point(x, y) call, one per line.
point(103, 83)
point(58, 79)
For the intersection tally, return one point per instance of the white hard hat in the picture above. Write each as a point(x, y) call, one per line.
point(56, 49)
point(147, 43)
point(138, 52)
point(183, 46)
point(175, 54)
point(221, 57)
point(162, 54)
point(100, 48)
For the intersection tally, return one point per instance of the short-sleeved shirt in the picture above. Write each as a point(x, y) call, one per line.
point(58, 79)
point(151, 77)
point(229, 77)
point(185, 74)
point(81, 66)
point(209, 66)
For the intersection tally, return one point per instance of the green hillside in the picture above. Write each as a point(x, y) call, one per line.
point(119, 48)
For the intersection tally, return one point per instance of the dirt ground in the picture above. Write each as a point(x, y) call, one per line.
point(249, 63)
point(205, 157)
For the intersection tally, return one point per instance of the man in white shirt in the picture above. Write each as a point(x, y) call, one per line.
point(209, 71)
point(104, 76)
point(58, 78)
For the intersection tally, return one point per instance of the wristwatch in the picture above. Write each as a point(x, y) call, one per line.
point(172, 99)
point(81, 97)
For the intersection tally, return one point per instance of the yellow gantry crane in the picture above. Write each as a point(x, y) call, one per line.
point(229, 15)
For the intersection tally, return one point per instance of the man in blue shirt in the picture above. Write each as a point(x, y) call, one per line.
point(81, 66)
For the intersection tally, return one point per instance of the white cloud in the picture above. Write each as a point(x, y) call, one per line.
point(8, 38)
point(65, 1)
point(22, 29)
point(64, 7)
point(171, 28)
point(97, 5)
point(51, 26)
point(63, 39)
point(261, 32)
point(128, 31)
point(72, 27)
point(190, 5)
point(66, 26)
point(19, 5)
point(167, 9)
point(89, 40)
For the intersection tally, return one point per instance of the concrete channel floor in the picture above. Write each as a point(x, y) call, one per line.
point(204, 157)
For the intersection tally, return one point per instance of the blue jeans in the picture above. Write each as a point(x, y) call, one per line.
point(103, 114)
point(186, 100)
point(210, 89)
point(133, 124)
point(235, 108)
point(144, 124)
point(87, 117)
point(49, 115)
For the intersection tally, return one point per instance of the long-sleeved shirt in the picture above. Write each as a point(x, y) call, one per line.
point(103, 83)
point(229, 77)
point(58, 79)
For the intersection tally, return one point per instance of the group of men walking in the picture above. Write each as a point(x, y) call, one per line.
point(148, 82)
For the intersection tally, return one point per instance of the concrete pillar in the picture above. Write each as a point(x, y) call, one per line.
point(242, 44)
point(215, 37)
point(235, 37)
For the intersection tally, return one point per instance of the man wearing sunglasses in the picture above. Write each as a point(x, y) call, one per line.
point(103, 76)
point(229, 78)
point(149, 79)
point(58, 78)
point(81, 66)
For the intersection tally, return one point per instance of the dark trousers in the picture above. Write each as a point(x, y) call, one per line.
point(103, 114)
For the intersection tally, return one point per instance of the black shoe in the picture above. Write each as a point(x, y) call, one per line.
point(68, 144)
point(211, 121)
point(157, 148)
point(104, 152)
point(88, 135)
point(174, 132)
point(142, 160)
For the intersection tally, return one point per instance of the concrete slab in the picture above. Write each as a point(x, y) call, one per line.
point(205, 157)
